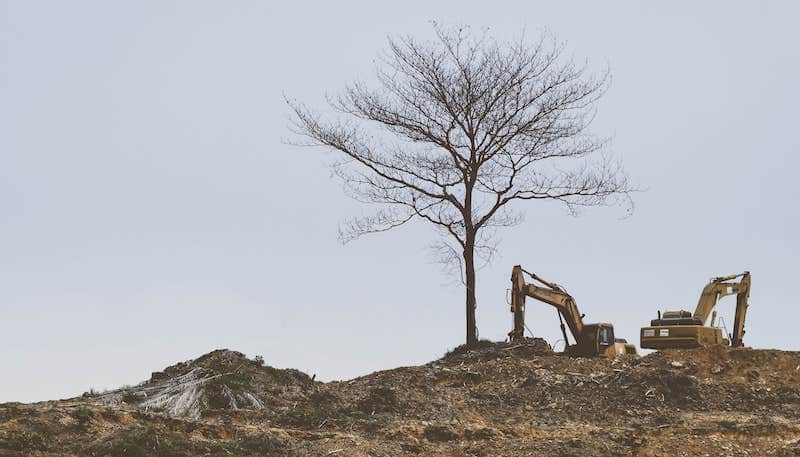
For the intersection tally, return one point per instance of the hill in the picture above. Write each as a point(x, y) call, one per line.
point(498, 400)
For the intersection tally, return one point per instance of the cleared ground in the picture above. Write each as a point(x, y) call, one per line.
point(499, 400)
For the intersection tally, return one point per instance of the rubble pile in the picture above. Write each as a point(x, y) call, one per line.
point(497, 399)
point(487, 350)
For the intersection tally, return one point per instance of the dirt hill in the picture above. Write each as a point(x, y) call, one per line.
point(499, 400)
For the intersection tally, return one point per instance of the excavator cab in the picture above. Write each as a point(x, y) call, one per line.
point(599, 339)
point(596, 339)
point(605, 336)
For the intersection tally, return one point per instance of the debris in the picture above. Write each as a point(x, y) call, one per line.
point(493, 400)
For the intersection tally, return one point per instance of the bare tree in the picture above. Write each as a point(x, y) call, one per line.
point(459, 128)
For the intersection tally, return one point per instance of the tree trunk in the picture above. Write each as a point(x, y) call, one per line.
point(469, 267)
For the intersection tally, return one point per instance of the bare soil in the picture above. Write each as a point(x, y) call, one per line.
point(498, 400)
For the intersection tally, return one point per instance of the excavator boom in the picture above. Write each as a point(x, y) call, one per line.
point(553, 295)
point(562, 301)
point(718, 288)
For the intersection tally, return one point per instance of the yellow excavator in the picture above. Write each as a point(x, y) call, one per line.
point(590, 339)
point(682, 329)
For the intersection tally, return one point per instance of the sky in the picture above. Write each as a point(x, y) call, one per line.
point(152, 210)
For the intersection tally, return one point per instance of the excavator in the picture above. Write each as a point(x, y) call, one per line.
point(590, 339)
point(682, 329)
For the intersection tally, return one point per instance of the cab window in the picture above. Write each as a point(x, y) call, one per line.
point(606, 336)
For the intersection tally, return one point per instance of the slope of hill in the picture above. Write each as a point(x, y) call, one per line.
point(499, 400)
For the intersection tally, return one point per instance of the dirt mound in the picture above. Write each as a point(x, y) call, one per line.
point(496, 399)
point(488, 350)
point(218, 381)
point(735, 364)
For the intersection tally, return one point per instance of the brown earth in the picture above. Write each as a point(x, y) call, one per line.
point(498, 400)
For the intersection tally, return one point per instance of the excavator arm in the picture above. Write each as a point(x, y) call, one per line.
point(590, 339)
point(551, 293)
point(721, 287)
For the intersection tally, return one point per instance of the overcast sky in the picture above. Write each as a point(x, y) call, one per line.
point(150, 210)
